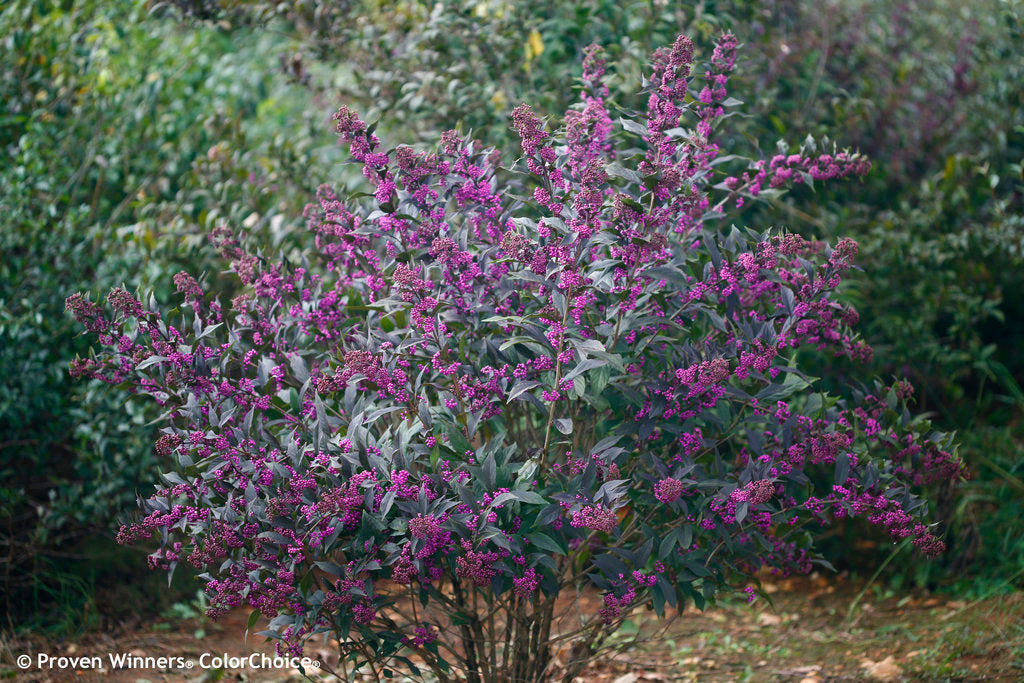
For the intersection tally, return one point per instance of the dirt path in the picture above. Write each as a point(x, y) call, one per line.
point(806, 635)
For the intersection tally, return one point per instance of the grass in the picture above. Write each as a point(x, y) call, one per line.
point(94, 585)
point(808, 637)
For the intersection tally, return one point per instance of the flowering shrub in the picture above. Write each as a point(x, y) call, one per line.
point(489, 393)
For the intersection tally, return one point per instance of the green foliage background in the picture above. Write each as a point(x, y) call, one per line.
point(126, 137)
point(131, 128)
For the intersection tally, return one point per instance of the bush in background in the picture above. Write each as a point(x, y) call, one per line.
point(125, 137)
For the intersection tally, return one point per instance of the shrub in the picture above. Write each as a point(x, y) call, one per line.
point(426, 67)
point(490, 393)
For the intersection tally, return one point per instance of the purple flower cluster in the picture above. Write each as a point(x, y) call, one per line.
point(424, 526)
point(187, 286)
point(595, 517)
point(423, 636)
point(755, 493)
point(527, 584)
point(478, 567)
point(668, 490)
point(614, 605)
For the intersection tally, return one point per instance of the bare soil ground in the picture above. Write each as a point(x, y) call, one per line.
point(805, 632)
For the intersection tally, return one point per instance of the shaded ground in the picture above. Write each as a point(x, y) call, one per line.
point(808, 634)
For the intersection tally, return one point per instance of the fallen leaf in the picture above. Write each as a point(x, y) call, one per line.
point(768, 619)
point(813, 674)
point(626, 678)
point(653, 676)
point(885, 670)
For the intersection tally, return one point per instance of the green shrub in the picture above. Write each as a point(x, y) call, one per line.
point(125, 139)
